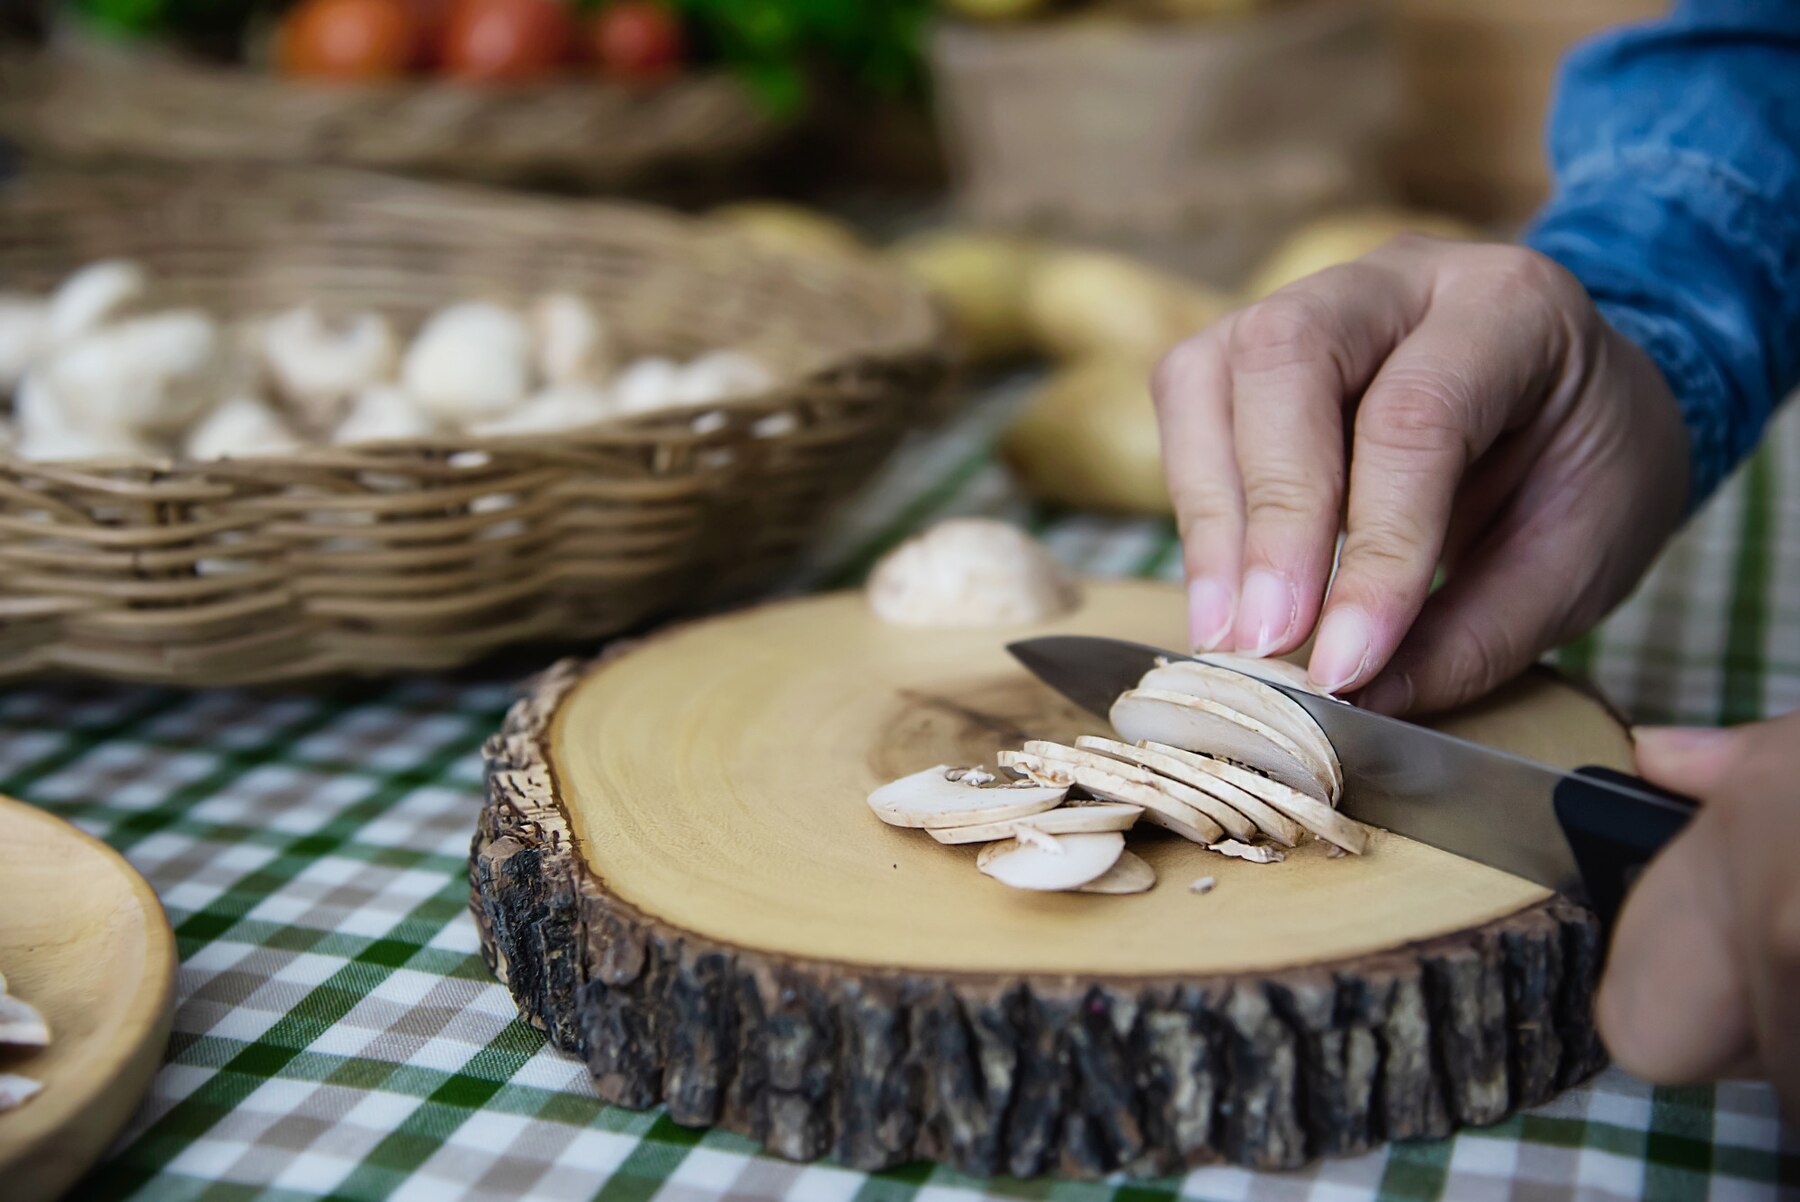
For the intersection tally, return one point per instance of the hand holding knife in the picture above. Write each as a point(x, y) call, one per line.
point(1585, 833)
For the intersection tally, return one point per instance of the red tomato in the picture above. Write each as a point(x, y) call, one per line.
point(348, 39)
point(429, 18)
point(506, 39)
point(638, 40)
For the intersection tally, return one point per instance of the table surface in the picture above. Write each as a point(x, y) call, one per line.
point(337, 1035)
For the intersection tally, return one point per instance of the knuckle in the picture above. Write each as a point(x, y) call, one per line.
point(1203, 502)
point(1285, 495)
point(1291, 326)
point(1518, 272)
point(1185, 365)
point(1422, 412)
point(1387, 549)
point(1481, 657)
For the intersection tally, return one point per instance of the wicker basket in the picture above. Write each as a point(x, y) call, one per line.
point(82, 104)
point(1200, 142)
point(423, 556)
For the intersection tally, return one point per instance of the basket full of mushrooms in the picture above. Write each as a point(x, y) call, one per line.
point(263, 425)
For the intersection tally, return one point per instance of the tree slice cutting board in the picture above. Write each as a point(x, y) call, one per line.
point(679, 879)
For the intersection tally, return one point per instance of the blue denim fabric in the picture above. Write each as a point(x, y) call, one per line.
point(1676, 147)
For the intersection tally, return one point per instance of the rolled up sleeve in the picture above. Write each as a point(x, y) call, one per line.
point(1676, 148)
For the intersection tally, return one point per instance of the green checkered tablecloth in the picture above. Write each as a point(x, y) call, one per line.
point(337, 1035)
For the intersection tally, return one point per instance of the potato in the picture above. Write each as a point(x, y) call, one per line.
point(1082, 303)
point(788, 227)
point(1341, 237)
point(1088, 439)
point(980, 279)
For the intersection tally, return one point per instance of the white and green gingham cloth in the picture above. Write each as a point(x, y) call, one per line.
point(338, 1037)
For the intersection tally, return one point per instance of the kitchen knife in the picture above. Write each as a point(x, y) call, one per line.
point(1585, 833)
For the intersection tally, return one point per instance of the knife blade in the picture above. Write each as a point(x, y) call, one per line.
point(1559, 829)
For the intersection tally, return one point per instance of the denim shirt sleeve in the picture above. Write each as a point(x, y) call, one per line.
point(1676, 147)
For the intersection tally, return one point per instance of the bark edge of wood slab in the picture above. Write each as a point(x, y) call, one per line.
point(1015, 1073)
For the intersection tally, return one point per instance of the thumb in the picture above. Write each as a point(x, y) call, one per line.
point(1673, 1006)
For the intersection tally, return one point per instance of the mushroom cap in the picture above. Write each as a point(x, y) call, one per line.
point(1067, 862)
point(931, 799)
point(383, 412)
point(242, 427)
point(1198, 725)
point(93, 295)
point(470, 360)
point(21, 1025)
point(1071, 819)
point(1130, 874)
point(1252, 698)
point(1276, 671)
point(970, 572)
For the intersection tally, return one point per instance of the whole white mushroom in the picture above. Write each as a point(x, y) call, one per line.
point(147, 374)
point(566, 408)
point(471, 361)
point(318, 364)
point(94, 295)
point(46, 429)
point(647, 384)
point(970, 572)
point(383, 413)
point(719, 376)
point(24, 334)
point(243, 427)
point(572, 342)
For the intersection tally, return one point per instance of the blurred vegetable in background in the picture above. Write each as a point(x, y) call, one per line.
point(779, 47)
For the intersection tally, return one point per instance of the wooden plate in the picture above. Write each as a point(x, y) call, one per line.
point(678, 877)
point(82, 938)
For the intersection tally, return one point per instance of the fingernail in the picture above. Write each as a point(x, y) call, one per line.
point(1209, 613)
point(1342, 649)
point(1390, 694)
point(1265, 612)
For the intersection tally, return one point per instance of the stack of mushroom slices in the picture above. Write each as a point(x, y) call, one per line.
point(1201, 749)
point(21, 1026)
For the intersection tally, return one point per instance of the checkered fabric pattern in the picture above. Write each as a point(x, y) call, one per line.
point(337, 1035)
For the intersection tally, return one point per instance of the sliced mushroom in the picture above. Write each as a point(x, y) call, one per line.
point(1179, 720)
point(16, 1090)
point(21, 1025)
point(1132, 874)
point(1232, 821)
point(1304, 808)
point(1267, 818)
point(1076, 860)
point(932, 799)
point(1251, 698)
point(1276, 671)
point(1256, 853)
point(1160, 808)
point(1081, 819)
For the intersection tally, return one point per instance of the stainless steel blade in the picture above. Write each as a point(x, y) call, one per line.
point(1475, 801)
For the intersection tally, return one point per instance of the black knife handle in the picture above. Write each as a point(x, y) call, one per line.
point(1615, 824)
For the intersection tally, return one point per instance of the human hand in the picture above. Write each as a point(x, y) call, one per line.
point(1703, 980)
point(1477, 411)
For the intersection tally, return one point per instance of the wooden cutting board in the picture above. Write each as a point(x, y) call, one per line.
point(82, 938)
point(677, 876)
